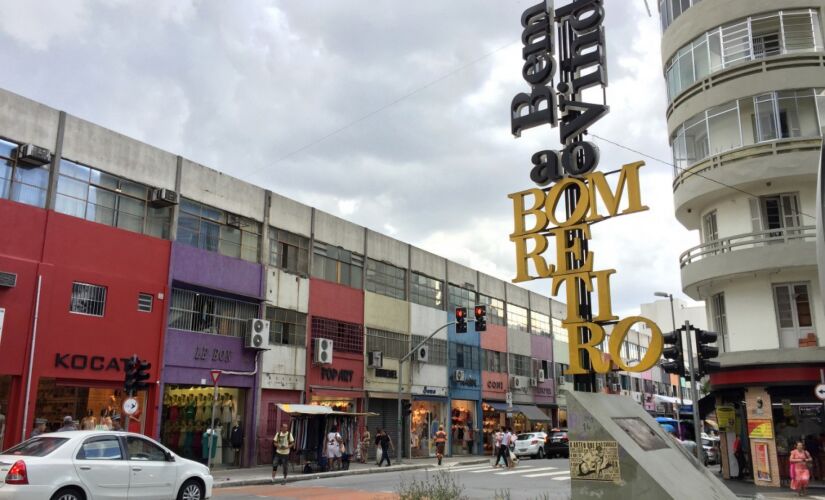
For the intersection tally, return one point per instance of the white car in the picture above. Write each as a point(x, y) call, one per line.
point(99, 465)
point(530, 444)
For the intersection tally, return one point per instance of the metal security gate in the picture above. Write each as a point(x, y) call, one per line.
point(387, 419)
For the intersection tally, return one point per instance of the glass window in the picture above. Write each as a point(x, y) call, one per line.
point(286, 327)
point(461, 297)
point(438, 349)
point(539, 323)
point(141, 449)
point(386, 279)
point(36, 447)
point(391, 344)
point(720, 321)
point(199, 312)
point(426, 291)
point(214, 230)
point(338, 265)
point(494, 361)
point(88, 299)
point(517, 317)
point(495, 309)
point(346, 337)
point(559, 331)
point(145, 302)
point(465, 356)
point(289, 251)
point(100, 448)
point(520, 365)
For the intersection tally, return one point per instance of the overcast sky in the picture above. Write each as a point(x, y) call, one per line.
point(392, 114)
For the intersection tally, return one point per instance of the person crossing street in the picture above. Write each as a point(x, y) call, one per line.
point(283, 442)
point(440, 443)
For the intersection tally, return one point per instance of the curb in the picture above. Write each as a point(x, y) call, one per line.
point(229, 483)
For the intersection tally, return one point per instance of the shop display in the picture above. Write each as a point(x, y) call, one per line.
point(493, 421)
point(91, 407)
point(461, 426)
point(425, 419)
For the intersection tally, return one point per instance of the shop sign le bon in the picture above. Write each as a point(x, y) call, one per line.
point(566, 203)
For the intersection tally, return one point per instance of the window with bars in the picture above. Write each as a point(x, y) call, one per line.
point(495, 309)
point(286, 327)
point(386, 279)
point(203, 313)
point(145, 302)
point(426, 291)
point(517, 317)
point(521, 365)
point(493, 361)
point(346, 337)
point(88, 299)
point(108, 199)
point(215, 230)
point(19, 182)
point(338, 265)
point(438, 349)
point(539, 323)
point(465, 356)
point(289, 251)
point(461, 297)
point(391, 344)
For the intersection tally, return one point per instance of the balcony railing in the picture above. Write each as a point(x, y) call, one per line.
point(748, 240)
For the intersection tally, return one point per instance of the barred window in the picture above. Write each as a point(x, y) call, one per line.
point(335, 264)
point(391, 344)
point(461, 297)
point(495, 309)
point(438, 349)
point(88, 299)
point(289, 251)
point(493, 361)
point(517, 317)
point(520, 365)
point(145, 302)
point(465, 356)
point(346, 337)
point(426, 291)
point(386, 279)
point(539, 323)
point(215, 230)
point(203, 313)
point(286, 327)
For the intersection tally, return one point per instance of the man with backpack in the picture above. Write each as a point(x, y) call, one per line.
point(283, 442)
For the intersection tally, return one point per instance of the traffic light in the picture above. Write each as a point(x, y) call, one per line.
point(672, 352)
point(142, 375)
point(461, 320)
point(129, 373)
point(481, 318)
point(406, 408)
point(705, 352)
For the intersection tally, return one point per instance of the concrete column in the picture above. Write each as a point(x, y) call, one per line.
point(54, 167)
point(173, 225)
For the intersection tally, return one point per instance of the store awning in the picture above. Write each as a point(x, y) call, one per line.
point(497, 406)
point(707, 405)
point(294, 409)
point(532, 413)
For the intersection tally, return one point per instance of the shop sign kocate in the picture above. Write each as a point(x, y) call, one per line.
point(548, 243)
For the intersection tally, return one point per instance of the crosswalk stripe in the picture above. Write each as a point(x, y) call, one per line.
point(514, 472)
point(560, 478)
point(543, 474)
point(469, 467)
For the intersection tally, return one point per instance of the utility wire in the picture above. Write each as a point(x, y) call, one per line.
point(685, 170)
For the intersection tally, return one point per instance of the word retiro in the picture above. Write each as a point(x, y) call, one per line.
point(568, 234)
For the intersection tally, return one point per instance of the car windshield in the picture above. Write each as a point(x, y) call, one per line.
point(36, 447)
point(525, 437)
point(559, 435)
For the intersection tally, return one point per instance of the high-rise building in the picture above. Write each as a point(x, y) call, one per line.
point(745, 112)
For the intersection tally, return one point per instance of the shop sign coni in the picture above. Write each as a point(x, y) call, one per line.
point(536, 219)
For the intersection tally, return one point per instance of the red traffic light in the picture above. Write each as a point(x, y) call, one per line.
point(480, 311)
point(460, 312)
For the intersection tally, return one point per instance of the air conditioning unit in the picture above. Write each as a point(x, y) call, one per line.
point(540, 375)
point(163, 198)
point(625, 392)
point(517, 384)
point(8, 280)
point(323, 352)
point(233, 220)
point(637, 396)
point(534, 382)
point(614, 388)
point(375, 359)
point(459, 375)
point(33, 156)
point(422, 355)
point(258, 335)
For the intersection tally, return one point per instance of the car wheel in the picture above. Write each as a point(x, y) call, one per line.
point(540, 454)
point(69, 494)
point(191, 490)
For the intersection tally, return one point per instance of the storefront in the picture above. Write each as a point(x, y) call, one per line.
point(464, 424)
point(494, 415)
point(92, 405)
point(428, 413)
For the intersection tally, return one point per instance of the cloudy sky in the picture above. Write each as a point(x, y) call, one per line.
point(391, 114)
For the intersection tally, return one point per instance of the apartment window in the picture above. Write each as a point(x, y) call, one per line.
point(539, 323)
point(776, 212)
point(461, 297)
point(88, 299)
point(465, 356)
point(426, 291)
point(544, 366)
point(437, 349)
point(517, 317)
point(145, 302)
point(793, 311)
point(20, 182)
point(289, 251)
point(391, 344)
point(203, 313)
point(520, 365)
point(215, 230)
point(720, 320)
point(624, 380)
point(345, 337)
point(335, 264)
point(710, 233)
point(286, 327)
point(494, 361)
point(386, 279)
point(669, 10)
point(495, 309)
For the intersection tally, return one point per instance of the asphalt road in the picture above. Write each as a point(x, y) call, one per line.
point(543, 479)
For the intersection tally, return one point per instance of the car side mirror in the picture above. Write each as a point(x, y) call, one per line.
point(170, 457)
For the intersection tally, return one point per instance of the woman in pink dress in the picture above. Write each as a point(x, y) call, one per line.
point(800, 475)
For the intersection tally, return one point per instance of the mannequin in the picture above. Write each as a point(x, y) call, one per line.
point(236, 440)
point(228, 413)
point(88, 422)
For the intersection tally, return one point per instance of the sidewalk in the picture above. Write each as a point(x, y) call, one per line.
point(746, 489)
point(225, 478)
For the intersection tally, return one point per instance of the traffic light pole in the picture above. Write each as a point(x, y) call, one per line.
point(697, 435)
point(211, 437)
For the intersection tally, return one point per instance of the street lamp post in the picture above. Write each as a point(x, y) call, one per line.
point(679, 385)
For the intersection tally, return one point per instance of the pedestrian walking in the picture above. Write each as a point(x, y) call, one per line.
point(68, 424)
point(440, 443)
point(503, 449)
point(283, 442)
point(801, 462)
point(386, 445)
point(334, 441)
point(365, 445)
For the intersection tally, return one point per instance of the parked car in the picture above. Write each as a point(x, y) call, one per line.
point(710, 446)
point(557, 444)
point(99, 465)
point(530, 444)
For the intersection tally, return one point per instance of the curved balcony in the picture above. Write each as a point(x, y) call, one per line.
point(747, 253)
